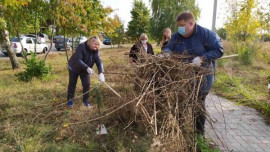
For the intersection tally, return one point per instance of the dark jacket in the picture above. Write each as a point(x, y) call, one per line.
point(138, 48)
point(84, 58)
point(164, 45)
point(202, 42)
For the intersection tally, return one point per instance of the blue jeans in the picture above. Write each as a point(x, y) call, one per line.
point(207, 83)
point(85, 79)
point(200, 111)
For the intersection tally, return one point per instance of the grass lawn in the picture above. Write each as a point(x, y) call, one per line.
point(34, 115)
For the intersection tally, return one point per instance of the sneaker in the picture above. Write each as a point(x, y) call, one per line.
point(70, 103)
point(86, 104)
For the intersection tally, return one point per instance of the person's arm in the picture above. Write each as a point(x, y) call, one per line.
point(151, 49)
point(79, 57)
point(132, 53)
point(99, 63)
point(214, 47)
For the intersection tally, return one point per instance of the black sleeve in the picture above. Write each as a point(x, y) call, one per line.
point(99, 63)
point(79, 57)
point(151, 51)
point(134, 49)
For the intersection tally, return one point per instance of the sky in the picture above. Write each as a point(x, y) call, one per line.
point(123, 8)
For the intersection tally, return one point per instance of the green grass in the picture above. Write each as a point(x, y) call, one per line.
point(33, 114)
point(203, 145)
point(246, 85)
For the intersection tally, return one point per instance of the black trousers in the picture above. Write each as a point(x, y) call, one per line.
point(199, 114)
point(85, 79)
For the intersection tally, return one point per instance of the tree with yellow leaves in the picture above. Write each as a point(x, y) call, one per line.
point(243, 28)
point(243, 25)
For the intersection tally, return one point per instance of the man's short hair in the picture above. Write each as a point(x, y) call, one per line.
point(185, 16)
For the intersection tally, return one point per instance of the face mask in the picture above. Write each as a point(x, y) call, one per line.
point(143, 41)
point(182, 30)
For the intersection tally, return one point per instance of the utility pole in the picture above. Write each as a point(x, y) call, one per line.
point(214, 16)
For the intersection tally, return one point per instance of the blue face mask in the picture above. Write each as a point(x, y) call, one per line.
point(182, 30)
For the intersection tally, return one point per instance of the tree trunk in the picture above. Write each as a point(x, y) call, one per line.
point(6, 43)
point(11, 54)
point(52, 32)
point(65, 43)
point(57, 30)
point(72, 48)
point(24, 54)
point(36, 33)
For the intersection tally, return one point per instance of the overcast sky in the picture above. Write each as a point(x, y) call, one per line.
point(123, 8)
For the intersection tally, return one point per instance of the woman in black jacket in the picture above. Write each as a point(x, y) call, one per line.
point(80, 64)
point(140, 47)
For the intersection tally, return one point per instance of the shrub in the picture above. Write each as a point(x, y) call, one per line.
point(266, 37)
point(247, 54)
point(34, 68)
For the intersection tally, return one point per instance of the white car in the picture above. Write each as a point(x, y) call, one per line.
point(81, 39)
point(28, 46)
point(43, 38)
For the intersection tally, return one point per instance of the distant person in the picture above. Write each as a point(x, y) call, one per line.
point(140, 47)
point(80, 65)
point(206, 46)
point(165, 38)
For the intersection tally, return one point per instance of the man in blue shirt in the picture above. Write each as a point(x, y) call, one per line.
point(206, 46)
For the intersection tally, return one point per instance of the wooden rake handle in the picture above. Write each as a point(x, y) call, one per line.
point(108, 86)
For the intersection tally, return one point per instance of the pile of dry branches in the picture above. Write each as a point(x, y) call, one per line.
point(167, 91)
point(159, 95)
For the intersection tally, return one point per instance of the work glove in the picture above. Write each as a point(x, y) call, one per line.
point(101, 77)
point(90, 71)
point(197, 61)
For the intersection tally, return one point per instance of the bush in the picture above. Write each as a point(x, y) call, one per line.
point(222, 33)
point(34, 68)
point(246, 54)
point(266, 37)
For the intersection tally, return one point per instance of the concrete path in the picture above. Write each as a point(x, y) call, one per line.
point(236, 128)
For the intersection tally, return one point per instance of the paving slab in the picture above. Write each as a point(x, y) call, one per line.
point(235, 128)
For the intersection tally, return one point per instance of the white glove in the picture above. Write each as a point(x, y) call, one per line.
point(101, 77)
point(90, 71)
point(162, 55)
point(197, 61)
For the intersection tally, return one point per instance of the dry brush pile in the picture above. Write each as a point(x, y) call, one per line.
point(163, 100)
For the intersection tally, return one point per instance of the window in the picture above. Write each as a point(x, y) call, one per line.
point(28, 41)
point(15, 39)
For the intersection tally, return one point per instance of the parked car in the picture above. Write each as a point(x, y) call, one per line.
point(81, 39)
point(107, 41)
point(42, 38)
point(59, 43)
point(57, 37)
point(28, 46)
